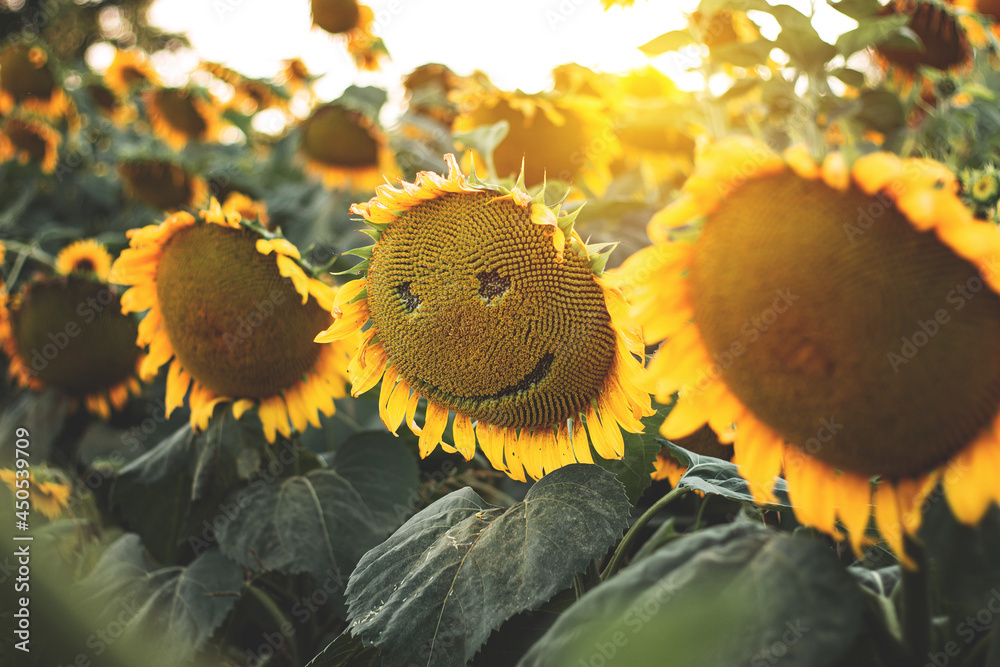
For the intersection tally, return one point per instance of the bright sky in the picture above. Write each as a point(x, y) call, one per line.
point(516, 42)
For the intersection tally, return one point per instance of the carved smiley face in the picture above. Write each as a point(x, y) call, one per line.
point(477, 314)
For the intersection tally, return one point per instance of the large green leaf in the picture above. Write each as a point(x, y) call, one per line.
point(871, 32)
point(170, 612)
point(727, 595)
point(434, 591)
point(345, 651)
point(324, 521)
point(719, 477)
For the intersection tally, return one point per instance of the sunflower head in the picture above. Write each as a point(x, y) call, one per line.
point(28, 138)
point(249, 95)
point(551, 137)
point(817, 300)
point(345, 148)
point(68, 333)
point(26, 79)
point(129, 71)
point(232, 312)
point(182, 115)
point(982, 186)
point(487, 303)
point(944, 44)
point(86, 257)
point(49, 489)
point(162, 184)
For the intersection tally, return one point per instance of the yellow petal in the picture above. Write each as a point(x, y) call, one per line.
point(464, 436)
point(435, 421)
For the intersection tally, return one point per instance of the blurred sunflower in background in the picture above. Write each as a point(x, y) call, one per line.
point(161, 183)
point(854, 348)
point(556, 138)
point(352, 21)
point(130, 71)
point(485, 302)
point(943, 42)
point(249, 95)
point(181, 116)
point(67, 332)
point(49, 489)
point(232, 321)
point(27, 80)
point(345, 148)
point(29, 138)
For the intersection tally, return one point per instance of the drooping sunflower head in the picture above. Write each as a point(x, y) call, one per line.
point(249, 95)
point(345, 148)
point(182, 115)
point(129, 71)
point(428, 87)
point(485, 302)
point(233, 311)
point(28, 138)
point(835, 322)
point(943, 40)
point(162, 184)
point(561, 138)
point(67, 332)
point(26, 79)
point(352, 21)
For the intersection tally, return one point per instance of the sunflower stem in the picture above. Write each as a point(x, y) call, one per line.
point(279, 617)
point(24, 251)
point(625, 546)
point(916, 612)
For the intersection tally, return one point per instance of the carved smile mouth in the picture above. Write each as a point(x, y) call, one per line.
point(536, 375)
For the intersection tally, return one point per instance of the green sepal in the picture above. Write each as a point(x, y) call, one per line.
point(364, 252)
point(598, 255)
point(355, 270)
point(363, 294)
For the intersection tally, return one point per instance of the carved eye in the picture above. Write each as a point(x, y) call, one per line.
point(409, 299)
point(492, 285)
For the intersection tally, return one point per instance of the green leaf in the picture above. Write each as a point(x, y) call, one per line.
point(434, 591)
point(668, 41)
point(880, 110)
point(635, 469)
point(967, 558)
point(171, 611)
point(324, 521)
point(719, 477)
point(871, 32)
point(851, 77)
point(727, 595)
point(485, 139)
point(799, 39)
point(345, 651)
point(858, 9)
point(749, 54)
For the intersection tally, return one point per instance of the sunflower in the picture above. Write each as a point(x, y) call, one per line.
point(834, 322)
point(345, 148)
point(487, 303)
point(162, 184)
point(246, 208)
point(352, 21)
point(182, 115)
point(129, 71)
point(944, 43)
point(295, 76)
point(87, 256)
point(27, 138)
point(563, 137)
point(237, 320)
point(27, 80)
point(108, 104)
point(249, 95)
point(48, 489)
point(67, 332)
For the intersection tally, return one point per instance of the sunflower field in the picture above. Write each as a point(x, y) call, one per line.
point(679, 365)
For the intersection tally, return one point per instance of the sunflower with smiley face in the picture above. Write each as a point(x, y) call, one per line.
point(485, 302)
